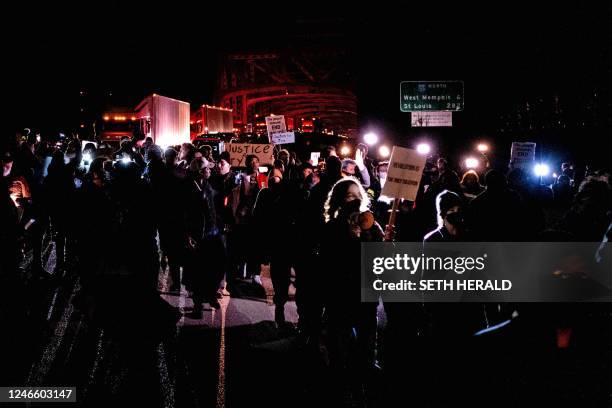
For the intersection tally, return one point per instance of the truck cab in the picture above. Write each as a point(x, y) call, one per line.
point(116, 125)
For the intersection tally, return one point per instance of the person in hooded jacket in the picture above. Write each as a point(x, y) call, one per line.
point(207, 258)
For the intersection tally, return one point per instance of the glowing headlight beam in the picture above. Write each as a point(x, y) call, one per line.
point(541, 170)
point(423, 148)
point(471, 163)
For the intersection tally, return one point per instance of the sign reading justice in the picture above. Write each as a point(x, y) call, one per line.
point(239, 151)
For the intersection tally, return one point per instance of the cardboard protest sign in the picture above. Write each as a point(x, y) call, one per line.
point(276, 124)
point(282, 138)
point(239, 151)
point(404, 176)
point(522, 154)
point(314, 158)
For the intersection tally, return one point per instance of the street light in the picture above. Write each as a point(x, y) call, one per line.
point(423, 148)
point(384, 151)
point(370, 138)
point(482, 147)
point(471, 163)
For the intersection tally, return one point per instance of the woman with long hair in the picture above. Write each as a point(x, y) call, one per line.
point(351, 324)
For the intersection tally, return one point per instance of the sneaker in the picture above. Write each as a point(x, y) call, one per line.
point(257, 280)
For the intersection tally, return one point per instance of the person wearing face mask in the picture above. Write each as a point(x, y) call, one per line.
point(351, 324)
point(206, 266)
point(245, 253)
point(451, 225)
point(470, 184)
point(449, 328)
point(383, 168)
point(224, 182)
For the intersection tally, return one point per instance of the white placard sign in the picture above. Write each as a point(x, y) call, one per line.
point(276, 124)
point(282, 138)
point(314, 158)
point(522, 154)
point(404, 175)
point(431, 119)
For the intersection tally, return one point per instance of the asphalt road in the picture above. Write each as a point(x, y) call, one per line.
point(238, 357)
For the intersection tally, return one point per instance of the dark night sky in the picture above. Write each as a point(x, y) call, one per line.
point(505, 56)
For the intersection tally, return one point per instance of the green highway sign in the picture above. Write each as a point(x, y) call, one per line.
point(416, 96)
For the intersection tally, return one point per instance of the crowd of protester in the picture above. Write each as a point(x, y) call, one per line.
point(118, 218)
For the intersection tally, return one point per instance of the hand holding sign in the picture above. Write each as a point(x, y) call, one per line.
point(403, 179)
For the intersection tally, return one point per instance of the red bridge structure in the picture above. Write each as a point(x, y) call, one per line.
point(310, 86)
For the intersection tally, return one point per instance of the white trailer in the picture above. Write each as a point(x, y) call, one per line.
point(164, 119)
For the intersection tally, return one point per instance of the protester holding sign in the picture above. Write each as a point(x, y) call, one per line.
point(522, 155)
point(290, 173)
point(245, 233)
point(348, 223)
